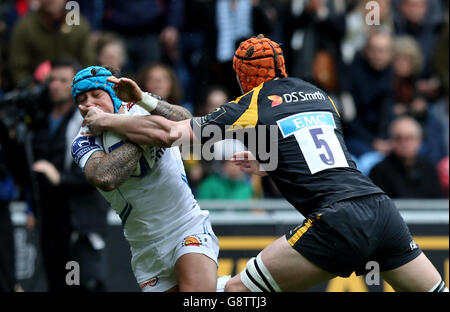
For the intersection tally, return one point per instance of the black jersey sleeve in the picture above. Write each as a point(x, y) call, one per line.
point(239, 114)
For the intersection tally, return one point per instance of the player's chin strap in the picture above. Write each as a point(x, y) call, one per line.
point(257, 278)
point(439, 287)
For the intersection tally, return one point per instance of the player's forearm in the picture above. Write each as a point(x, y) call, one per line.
point(147, 130)
point(171, 112)
point(155, 105)
point(113, 169)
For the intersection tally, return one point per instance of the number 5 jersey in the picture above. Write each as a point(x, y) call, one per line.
point(312, 165)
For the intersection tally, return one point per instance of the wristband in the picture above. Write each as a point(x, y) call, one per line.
point(148, 102)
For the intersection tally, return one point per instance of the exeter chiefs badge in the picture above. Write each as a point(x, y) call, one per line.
point(152, 282)
point(192, 240)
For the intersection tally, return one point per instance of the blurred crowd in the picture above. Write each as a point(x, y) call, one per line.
point(384, 63)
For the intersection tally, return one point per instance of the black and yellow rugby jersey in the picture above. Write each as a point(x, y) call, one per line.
point(313, 167)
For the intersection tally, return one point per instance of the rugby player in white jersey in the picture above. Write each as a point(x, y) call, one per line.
point(172, 243)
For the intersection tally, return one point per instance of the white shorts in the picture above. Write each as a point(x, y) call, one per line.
point(154, 264)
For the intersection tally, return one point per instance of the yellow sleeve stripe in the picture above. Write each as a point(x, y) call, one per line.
point(250, 117)
point(240, 97)
point(334, 107)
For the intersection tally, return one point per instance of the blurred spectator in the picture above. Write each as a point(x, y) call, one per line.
point(8, 192)
point(407, 64)
point(314, 30)
point(403, 173)
point(440, 57)
point(93, 11)
point(214, 97)
point(45, 35)
point(440, 112)
point(367, 88)
point(197, 45)
point(421, 19)
point(440, 109)
point(73, 213)
point(408, 100)
point(357, 28)
point(10, 12)
point(149, 28)
point(196, 168)
point(227, 181)
point(442, 169)
point(233, 21)
point(206, 52)
point(266, 18)
point(160, 79)
point(434, 145)
point(238, 19)
point(111, 51)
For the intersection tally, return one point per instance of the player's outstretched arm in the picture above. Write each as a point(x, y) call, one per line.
point(108, 171)
point(127, 90)
point(171, 112)
point(147, 130)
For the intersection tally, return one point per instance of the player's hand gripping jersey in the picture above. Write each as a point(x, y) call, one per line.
point(156, 208)
point(310, 141)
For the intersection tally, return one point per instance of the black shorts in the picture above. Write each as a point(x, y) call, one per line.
point(343, 237)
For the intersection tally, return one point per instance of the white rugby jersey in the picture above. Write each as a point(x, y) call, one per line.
point(153, 205)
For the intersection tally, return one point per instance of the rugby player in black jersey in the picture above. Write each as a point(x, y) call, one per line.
point(348, 220)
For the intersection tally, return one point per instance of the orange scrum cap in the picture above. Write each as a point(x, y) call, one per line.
point(257, 60)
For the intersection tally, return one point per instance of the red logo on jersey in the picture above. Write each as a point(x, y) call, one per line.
point(130, 105)
point(192, 241)
point(150, 283)
point(276, 100)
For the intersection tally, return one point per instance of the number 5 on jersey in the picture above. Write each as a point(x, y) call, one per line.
point(314, 132)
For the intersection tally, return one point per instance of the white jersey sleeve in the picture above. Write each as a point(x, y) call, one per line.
point(84, 146)
point(134, 109)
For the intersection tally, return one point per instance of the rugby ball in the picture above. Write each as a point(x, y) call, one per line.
point(112, 140)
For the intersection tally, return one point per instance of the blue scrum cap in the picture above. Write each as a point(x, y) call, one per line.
point(94, 77)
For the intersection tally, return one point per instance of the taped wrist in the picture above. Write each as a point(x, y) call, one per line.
point(148, 102)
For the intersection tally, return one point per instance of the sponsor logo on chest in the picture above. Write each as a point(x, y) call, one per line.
point(303, 96)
